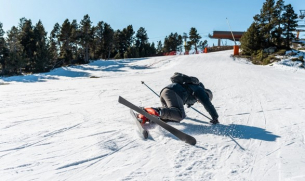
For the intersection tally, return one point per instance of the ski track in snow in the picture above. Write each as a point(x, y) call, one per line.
point(63, 125)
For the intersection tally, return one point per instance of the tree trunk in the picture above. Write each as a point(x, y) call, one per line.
point(87, 54)
point(3, 68)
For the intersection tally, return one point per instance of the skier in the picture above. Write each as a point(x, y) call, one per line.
point(184, 90)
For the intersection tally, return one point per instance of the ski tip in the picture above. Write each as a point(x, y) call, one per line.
point(191, 142)
point(120, 98)
point(145, 134)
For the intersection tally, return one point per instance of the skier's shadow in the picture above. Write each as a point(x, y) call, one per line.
point(232, 130)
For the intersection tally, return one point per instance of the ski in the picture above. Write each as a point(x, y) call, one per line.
point(179, 134)
point(143, 131)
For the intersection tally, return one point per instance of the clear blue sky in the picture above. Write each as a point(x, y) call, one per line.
point(158, 17)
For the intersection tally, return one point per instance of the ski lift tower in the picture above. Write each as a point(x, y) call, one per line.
point(302, 15)
point(301, 26)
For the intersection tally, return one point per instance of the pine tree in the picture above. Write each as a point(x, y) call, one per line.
point(1, 37)
point(129, 36)
point(264, 20)
point(159, 50)
point(166, 45)
point(27, 40)
point(173, 42)
point(141, 37)
point(3, 50)
point(65, 42)
point(194, 37)
point(267, 28)
point(277, 31)
point(126, 39)
point(41, 56)
point(117, 39)
point(54, 45)
point(132, 52)
point(141, 41)
point(75, 37)
point(108, 41)
point(99, 39)
point(153, 50)
point(55, 35)
point(203, 44)
point(123, 39)
point(290, 23)
point(251, 40)
point(15, 61)
point(86, 35)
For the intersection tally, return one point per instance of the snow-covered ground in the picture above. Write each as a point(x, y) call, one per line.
point(64, 125)
point(286, 60)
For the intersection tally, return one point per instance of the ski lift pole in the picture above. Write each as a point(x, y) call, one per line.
point(235, 47)
point(159, 96)
point(231, 31)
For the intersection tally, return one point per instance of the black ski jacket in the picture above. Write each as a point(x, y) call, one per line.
point(192, 93)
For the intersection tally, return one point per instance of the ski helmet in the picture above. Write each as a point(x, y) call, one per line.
point(209, 93)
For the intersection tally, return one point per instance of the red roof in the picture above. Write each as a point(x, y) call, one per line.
point(227, 35)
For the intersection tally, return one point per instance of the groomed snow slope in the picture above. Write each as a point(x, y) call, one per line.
point(64, 125)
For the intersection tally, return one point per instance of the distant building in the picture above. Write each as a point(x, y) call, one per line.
point(226, 35)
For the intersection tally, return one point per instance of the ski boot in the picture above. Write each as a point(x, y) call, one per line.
point(214, 121)
point(151, 111)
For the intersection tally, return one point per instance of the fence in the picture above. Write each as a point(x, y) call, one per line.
point(206, 50)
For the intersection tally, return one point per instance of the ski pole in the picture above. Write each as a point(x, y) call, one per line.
point(149, 88)
point(190, 107)
point(201, 113)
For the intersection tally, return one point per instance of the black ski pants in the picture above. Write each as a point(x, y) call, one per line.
point(172, 109)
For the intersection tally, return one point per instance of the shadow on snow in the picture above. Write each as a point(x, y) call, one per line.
point(79, 70)
point(232, 130)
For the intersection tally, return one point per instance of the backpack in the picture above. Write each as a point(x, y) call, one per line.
point(184, 79)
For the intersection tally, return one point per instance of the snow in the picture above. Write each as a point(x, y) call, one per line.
point(64, 125)
point(287, 63)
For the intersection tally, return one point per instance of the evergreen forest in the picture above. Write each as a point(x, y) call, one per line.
point(273, 27)
point(28, 48)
